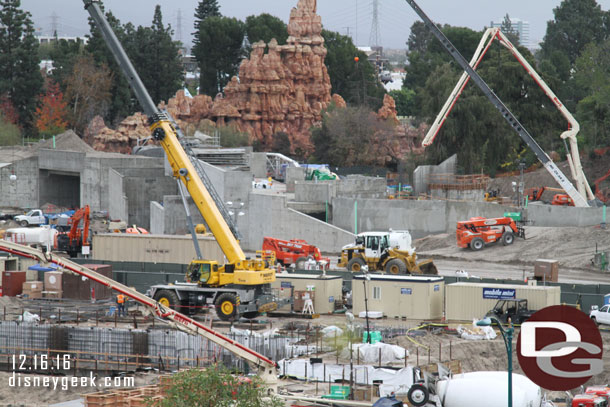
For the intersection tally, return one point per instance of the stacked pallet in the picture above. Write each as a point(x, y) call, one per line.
point(138, 397)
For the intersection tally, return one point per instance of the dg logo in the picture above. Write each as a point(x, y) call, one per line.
point(560, 348)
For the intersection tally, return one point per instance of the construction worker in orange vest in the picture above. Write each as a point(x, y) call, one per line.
point(120, 300)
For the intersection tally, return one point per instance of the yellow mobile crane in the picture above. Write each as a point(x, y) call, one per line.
point(242, 285)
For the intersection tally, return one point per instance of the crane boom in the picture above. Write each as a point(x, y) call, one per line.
point(542, 156)
point(165, 133)
point(266, 368)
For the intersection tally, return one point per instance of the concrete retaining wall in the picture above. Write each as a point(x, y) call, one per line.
point(421, 173)
point(23, 192)
point(352, 186)
point(117, 200)
point(422, 218)
point(267, 215)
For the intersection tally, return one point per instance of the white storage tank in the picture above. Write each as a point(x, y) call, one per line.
point(43, 236)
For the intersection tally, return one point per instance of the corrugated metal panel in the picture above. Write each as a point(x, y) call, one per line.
point(153, 248)
point(465, 301)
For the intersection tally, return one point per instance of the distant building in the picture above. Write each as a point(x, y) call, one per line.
point(47, 39)
point(522, 28)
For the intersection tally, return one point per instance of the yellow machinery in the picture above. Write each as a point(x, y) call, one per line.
point(390, 252)
point(239, 287)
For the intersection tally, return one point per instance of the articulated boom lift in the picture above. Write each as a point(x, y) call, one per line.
point(574, 160)
point(266, 368)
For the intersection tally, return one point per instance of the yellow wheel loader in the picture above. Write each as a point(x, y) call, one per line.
point(389, 252)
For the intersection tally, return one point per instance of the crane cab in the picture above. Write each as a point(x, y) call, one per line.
point(207, 273)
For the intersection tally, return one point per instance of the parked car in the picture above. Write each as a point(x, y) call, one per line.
point(33, 217)
point(600, 315)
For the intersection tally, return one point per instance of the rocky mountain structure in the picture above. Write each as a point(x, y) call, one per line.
point(283, 90)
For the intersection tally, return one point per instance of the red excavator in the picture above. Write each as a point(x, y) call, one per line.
point(535, 194)
point(73, 241)
point(295, 251)
point(478, 231)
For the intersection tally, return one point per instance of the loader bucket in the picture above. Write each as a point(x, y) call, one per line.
point(427, 267)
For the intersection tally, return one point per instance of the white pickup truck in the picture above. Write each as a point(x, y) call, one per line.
point(600, 315)
point(33, 217)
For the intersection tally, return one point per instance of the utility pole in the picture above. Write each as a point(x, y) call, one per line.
point(348, 34)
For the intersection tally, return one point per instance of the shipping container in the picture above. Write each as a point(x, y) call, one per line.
point(328, 289)
point(81, 288)
point(546, 270)
point(465, 301)
point(412, 297)
point(153, 248)
point(101, 291)
point(12, 283)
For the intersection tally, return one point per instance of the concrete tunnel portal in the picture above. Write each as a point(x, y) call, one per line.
point(59, 188)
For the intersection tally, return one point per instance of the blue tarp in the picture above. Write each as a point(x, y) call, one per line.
point(38, 267)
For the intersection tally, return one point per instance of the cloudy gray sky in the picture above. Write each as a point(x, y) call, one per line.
point(395, 16)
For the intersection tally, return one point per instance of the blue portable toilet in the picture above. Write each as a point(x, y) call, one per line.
point(606, 299)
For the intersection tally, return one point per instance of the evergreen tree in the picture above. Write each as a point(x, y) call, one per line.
point(205, 9)
point(63, 54)
point(507, 29)
point(264, 27)
point(20, 79)
point(592, 76)
point(576, 24)
point(219, 52)
point(158, 59)
point(122, 103)
point(355, 80)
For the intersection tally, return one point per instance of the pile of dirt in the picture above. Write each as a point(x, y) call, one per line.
point(573, 247)
point(68, 141)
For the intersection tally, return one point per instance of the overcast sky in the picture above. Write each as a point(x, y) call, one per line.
point(395, 16)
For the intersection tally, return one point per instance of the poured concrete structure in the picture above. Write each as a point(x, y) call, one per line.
point(423, 218)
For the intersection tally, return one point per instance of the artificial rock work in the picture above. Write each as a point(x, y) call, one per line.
point(121, 140)
point(283, 90)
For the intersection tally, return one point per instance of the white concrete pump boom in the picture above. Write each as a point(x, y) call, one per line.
point(573, 127)
point(266, 368)
point(542, 156)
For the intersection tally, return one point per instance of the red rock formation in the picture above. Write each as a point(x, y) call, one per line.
point(388, 110)
point(285, 89)
point(338, 101)
point(121, 140)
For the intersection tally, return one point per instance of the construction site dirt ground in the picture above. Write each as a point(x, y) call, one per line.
point(573, 247)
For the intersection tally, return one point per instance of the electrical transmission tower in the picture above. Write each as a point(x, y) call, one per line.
point(179, 26)
point(54, 23)
point(375, 37)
